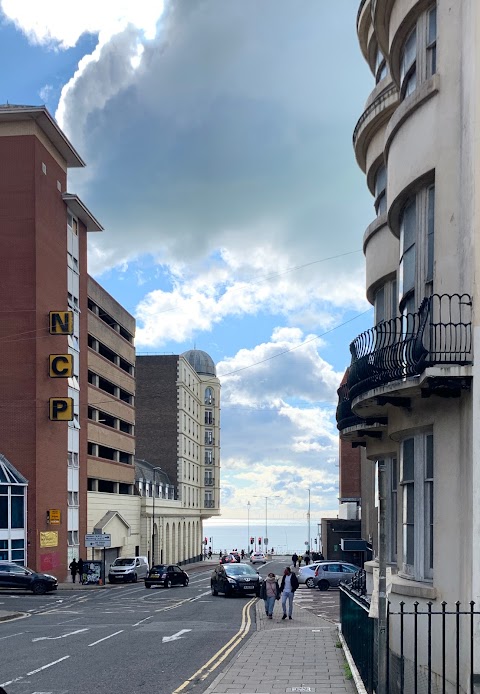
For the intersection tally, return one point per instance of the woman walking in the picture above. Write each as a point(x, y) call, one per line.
point(288, 587)
point(270, 592)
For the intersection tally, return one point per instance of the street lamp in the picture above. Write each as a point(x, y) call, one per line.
point(248, 525)
point(154, 470)
point(308, 521)
point(266, 513)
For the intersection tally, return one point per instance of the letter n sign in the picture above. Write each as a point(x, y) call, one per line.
point(61, 322)
point(61, 409)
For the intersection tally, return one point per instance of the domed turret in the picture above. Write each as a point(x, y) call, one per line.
point(200, 361)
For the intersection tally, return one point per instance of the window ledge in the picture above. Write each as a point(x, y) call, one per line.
point(415, 589)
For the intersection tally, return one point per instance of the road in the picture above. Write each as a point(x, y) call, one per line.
point(126, 639)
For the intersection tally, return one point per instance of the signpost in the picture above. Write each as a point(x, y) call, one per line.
point(99, 541)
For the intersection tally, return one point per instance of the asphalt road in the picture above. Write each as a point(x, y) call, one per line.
point(126, 639)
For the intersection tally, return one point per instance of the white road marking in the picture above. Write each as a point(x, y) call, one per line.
point(44, 667)
point(54, 638)
point(11, 635)
point(176, 636)
point(105, 638)
point(141, 621)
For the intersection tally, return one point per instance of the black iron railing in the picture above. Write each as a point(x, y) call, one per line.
point(439, 333)
point(345, 416)
point(432, 650)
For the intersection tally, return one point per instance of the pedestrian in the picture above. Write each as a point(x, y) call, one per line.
point(288, 587)
point(307, 558)
point(73, 569)
point(294, 559)
point(269, 592)
point(80, 569)
point(300, 560)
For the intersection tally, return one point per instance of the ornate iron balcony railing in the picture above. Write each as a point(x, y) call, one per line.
point(439, 333)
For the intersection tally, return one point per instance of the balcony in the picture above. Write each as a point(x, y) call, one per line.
point(354, 429)
point(209, 503)
point(209, 440)
point(209, 481)
point(376, 114)
point(439, 334)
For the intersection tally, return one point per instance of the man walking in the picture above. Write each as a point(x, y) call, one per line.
point(294, 559)
point(73, 569)
point(80, 569)
point(288, 587)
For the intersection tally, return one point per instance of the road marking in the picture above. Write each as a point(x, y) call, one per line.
point(216, 660)
point(105, 638)
point(54, 638)
point(176, 636)
point(11, 635)
point(141, 621)
point(44, 667)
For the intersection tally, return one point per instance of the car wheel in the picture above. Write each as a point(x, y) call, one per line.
point(147, 585)
point(185, 582)
point(167, 583)
point(309, 582)
point(134, 578)
point(214, 590)
point(39, 588)
point(323, 585)
point(111, 580)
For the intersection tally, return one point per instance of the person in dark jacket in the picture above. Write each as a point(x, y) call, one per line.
point(269, 592)
point(73, 569)
point(294, 559)
point(80, 569)
point(288, 587)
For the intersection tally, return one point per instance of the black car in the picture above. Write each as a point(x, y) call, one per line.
point(166, 575)
point(229, 558)
point(18, 577)
point(235, 578)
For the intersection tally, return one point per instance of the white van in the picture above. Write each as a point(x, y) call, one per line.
point(128, 569)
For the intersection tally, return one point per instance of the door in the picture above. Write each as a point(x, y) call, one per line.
point(19, 577)
point(177, 575)
point(334, 574)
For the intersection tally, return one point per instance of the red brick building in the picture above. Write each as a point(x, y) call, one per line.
point(43, 397)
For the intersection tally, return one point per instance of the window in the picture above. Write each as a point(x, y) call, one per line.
point(73, 498)
point(418, 61)
point(380, 67)
point(417, 229)
point(209, 437)
point(380, 305)
point(431, 42)
point(417, 464)
point(408, 66)
point(381, 191)
point(209, 417)
point(209, 399)
point(72, 538)
point(392, 471)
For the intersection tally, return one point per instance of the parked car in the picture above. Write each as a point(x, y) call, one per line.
point(128, 569)
point(306, 574)
point(258, 558)
point(166, 575)
point(18, 577)
point(235, 578)
point(330, 573)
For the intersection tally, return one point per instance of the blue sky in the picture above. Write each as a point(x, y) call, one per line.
point(218, 142)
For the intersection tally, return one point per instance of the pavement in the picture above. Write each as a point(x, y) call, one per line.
point(301, 655)
point(304, 654)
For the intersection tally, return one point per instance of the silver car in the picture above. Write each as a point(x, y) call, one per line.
point(330, 573)
point(306, 574)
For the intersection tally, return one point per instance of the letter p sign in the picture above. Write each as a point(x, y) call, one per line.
point(61, 409)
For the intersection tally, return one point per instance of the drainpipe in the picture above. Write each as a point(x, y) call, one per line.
point(382, 581)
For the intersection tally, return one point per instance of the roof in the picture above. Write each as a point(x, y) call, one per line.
point(45, 121)
point(200, 361)
point(81, 211)
point(146, 471)
point(9, 474)
point(105, 520)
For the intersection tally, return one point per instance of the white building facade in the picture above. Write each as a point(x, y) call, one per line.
point(411, 396)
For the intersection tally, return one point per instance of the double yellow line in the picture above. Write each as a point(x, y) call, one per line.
point(224, 652)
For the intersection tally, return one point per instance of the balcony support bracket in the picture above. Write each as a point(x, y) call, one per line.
point(395, 401)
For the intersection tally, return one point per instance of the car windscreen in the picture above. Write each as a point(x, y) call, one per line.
point(240, 570)
point(124, 561)
point(158, 568)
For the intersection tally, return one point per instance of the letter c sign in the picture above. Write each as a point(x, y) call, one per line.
point(61, 366)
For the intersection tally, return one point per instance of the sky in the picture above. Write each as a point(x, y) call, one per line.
point(218, 142)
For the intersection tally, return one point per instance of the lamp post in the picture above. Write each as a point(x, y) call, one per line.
point(154, 470)
point(308, 521)
point(266, 514)
point(248, 525)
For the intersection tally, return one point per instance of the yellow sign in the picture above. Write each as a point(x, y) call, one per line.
point(61, 366)
point(61, 409)
point(61, 322)
point(53, 516)
point(49, 538)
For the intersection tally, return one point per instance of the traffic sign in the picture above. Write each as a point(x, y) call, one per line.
point(98, 541)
